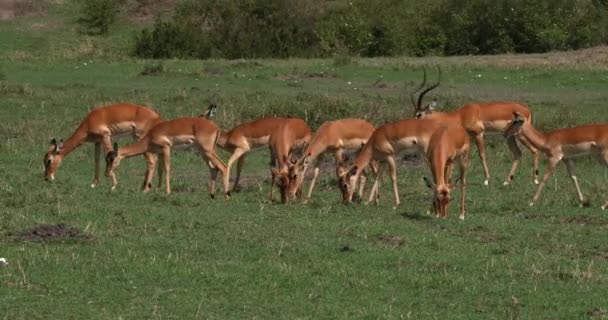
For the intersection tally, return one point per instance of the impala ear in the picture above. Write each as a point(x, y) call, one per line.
point(430, 184)
point(54, 142)
point(352, 170)
point(60, 145)
point(433, 104)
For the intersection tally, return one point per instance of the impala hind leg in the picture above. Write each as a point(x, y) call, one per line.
point(150, 166)
point(482, 155)
point(97, 156)
point(236, 155)
point(166, 154)
point(239, 168)
point(106, 141)
point(161, 170)
point(392, 166)
point(570, 167)
point(215, 164)
point(535, 156)
point(512, 143)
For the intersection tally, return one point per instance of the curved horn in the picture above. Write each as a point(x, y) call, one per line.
point(413, 94)
point(427, 90)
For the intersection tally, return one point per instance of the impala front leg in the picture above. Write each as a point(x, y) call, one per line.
point(512, 143)
point(550, 167)
point(464, 162)
point(482, 156)
point(97, 155)
point(107, 146)
point(535, 156)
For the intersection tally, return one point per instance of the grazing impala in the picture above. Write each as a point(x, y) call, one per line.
point(477, 119)
point(333, 137)
point(99, 127)
point(563, 144)
point(245, 138)
point(183, 132)
point(447, 145)
point(387, 142)
point(291, 136)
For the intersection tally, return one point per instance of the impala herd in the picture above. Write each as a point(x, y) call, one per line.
point(442, 137)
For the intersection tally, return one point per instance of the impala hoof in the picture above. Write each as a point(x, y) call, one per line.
point(531, 204)
point(486, 182)
point(536, 181)
point(506, 183)
point(603, 207)
point(461, 217)
point(113, 188)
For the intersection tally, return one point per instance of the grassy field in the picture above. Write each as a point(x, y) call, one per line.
point(187, 256)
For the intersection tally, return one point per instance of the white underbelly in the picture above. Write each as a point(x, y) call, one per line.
point(578, 150)
point(122, 128)
point(255, 143)
point(496, 126)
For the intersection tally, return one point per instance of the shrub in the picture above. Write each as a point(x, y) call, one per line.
point(98, 15)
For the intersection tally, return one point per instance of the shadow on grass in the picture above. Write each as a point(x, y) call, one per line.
point(416, 216)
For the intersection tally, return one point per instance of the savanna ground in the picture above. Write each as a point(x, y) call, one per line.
point(187, 256)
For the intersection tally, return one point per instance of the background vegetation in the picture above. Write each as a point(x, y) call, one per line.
point(320, 28)
point(186, 256)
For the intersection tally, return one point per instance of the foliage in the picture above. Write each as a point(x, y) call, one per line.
point(98, 15)
point(287, 28)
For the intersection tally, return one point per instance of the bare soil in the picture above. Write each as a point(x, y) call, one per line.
point(52, 232)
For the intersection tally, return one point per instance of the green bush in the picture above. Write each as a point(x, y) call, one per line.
point(340, 28)
point(98, 15)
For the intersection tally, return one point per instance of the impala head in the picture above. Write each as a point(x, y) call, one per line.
point(296, 174)
point(515, 126)
point(112, 160)
point(347, 180)
point(287, 180)
point(210, 113)
point(419, 110)
point(441, 196)
point(52, 159)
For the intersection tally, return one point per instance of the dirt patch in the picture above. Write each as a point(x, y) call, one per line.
point(597, 312)
point(11, 9)
point(52, 233)
point(306, 76)
point(584, 220)
point(146, 11)
point(391, 241)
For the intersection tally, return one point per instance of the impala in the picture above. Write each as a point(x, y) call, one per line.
point(291, 136)
point(447, 145)
point(99, 127)
point(387, 142)
point(478, 119)
point(333, 137)
point(563, 144)
point(245, 138)
point(183, 132)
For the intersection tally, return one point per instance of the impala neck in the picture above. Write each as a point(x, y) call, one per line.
point(74, 141)
point(317, 147)
point(363, 158)
point(438, 162)
point(134, 149)
point(536, 138)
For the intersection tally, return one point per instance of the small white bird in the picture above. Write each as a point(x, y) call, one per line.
point(3, 262)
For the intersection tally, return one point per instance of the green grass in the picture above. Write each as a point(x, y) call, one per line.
point(187, 256)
